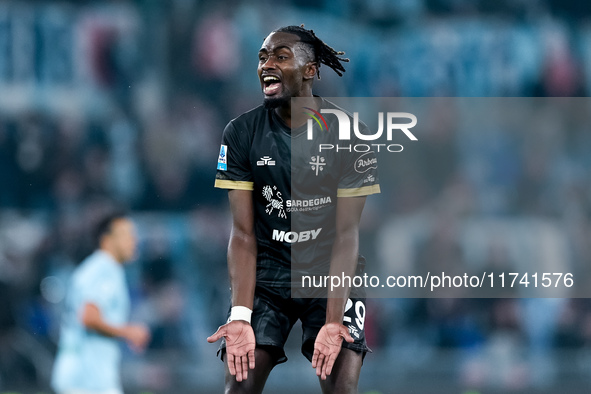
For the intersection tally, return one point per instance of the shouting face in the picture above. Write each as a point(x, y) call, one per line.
point(284, 68)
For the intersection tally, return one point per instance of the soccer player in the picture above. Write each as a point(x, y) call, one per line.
point(295, 210)
point(96, 314)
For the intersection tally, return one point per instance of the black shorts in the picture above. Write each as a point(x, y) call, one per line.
point(275, 313)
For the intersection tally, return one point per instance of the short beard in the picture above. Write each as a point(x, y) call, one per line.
point(272, 103)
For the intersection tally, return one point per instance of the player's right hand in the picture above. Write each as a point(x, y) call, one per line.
point(137, 336)
point(240, 345)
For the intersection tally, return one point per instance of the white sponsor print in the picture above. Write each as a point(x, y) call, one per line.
point(317, 163)
point(370, 178)
point(275, 201)
point(365, 162)
point(293, 236)
point(359, 313)
point(312, 204)
point(353, 331)
point(266, 161)
point(308, 203)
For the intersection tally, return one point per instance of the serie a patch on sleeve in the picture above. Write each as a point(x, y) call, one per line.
point(223, 158)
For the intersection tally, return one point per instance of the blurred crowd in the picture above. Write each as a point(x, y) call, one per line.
point(122, 104)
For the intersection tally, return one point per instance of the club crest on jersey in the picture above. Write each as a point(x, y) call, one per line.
point(317, 164)
point(223, 158)
point(275, 201)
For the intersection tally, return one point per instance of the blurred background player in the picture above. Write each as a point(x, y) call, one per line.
point(97, 310)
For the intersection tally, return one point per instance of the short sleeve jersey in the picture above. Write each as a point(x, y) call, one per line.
point(86, 360)
point(295, 187)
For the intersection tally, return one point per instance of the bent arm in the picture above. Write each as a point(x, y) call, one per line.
point(345, 252)
point(242, 249)
point(136, 335)
point(93, 320)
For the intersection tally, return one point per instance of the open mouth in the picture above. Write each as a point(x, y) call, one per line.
point(271, 85)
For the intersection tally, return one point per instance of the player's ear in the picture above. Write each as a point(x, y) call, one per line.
point(311, 70)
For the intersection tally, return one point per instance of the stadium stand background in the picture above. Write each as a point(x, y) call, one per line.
point(123, 103)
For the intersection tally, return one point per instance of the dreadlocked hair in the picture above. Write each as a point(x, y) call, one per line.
point(323, 54)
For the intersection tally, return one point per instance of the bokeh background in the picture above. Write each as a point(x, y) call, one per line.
point(122, 103)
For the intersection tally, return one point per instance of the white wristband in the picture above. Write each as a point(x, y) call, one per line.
point(240, 313)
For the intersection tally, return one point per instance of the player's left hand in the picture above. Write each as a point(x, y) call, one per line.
point(328, 346)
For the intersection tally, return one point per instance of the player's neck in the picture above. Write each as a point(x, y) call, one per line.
point(108, 249)
point(284, 113)
point(298, 119)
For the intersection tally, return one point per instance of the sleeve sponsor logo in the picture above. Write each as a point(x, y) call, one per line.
point(223, 158)
point(366, 162)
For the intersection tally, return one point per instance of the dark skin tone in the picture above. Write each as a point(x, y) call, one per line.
point(285, 72)
point(280, 57)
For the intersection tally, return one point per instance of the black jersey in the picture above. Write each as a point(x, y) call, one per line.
point(295, 188)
